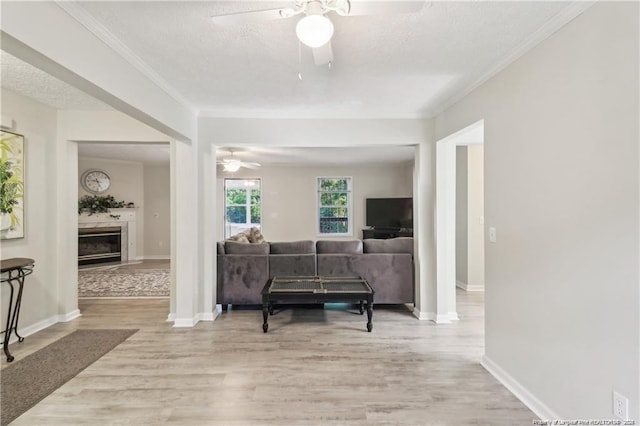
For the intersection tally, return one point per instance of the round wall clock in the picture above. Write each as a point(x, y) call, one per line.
point(95, 181)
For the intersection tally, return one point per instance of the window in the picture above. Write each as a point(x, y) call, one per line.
point(242, 208)
point(334, 206)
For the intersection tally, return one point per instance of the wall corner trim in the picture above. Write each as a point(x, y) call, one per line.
point(185, 322)
point(469, 287)
point(171, 317)
point(209, 316)
point(423, 316)
point(69, 316)
point(437, 318)
point(522, 393)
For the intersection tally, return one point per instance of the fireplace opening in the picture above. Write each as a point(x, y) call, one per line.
point(99, 245)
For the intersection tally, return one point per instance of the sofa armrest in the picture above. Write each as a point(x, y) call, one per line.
point(241, 278)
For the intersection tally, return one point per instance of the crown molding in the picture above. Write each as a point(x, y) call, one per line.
point(302, 114)
point(568, 14)
point(87, 20)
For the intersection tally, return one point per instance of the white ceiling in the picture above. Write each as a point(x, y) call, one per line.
point(391, 66)
point(20, 77)
point(149, 153)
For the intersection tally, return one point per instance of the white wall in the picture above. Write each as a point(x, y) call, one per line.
point(462, 215)
point(126, 185)
point(37, 123)
point(469, 217)
point(475, 217)
point(561, 188)
point(157, 203)
point(289, 196)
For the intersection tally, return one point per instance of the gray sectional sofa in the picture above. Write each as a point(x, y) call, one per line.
point(244, 269)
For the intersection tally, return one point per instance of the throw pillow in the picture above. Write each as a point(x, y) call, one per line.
point(255, 236)
point(239, 238)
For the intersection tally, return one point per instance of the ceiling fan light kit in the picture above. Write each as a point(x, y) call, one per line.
point(314, 30)
point(231, 166)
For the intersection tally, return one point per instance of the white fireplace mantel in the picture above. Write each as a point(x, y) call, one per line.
point(125, 218)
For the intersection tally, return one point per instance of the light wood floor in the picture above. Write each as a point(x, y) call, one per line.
point(314, 367)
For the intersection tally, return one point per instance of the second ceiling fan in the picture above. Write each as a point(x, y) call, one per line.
point(315, 29)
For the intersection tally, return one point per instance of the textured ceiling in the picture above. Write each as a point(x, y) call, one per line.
point(29, 81)
point(391, 65)
point(147, 153)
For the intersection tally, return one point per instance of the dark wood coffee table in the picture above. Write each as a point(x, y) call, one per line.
point(316, 290)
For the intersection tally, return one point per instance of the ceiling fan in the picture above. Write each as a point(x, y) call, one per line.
point(315, 29)
point(232, 164)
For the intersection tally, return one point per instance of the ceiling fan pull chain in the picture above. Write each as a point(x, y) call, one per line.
point(299, 60)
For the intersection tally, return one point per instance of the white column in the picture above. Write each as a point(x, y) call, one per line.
point(208, 243)
point(67, 229)
point(446, 230)
point(184, 238)
point(426, 306)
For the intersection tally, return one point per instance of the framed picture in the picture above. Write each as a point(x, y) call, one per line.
point(11, 185)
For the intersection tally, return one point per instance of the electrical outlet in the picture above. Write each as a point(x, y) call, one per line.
point(493, 237)
point(620, 406)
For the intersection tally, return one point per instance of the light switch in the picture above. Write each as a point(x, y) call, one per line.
point(492, 235)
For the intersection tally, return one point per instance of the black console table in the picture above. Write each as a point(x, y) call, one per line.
point(383, 234)
point(14, 270)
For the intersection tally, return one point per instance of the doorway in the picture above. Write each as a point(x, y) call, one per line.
point(446, 176)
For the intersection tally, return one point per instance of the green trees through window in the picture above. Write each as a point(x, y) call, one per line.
point(334, 204)
point(242, 205)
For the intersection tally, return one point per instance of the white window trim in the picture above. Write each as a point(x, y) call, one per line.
point(248, 205)
point(349, 232)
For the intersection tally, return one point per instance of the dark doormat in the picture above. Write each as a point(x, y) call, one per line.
point(27, 381)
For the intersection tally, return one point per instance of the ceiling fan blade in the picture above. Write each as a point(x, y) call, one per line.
point(251, 165)
point(364, 7)
point(252, 16)
point(323, 55)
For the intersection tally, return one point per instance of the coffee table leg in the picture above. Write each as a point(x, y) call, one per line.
point(361, 307)
point(265, 317)
point(369, 315)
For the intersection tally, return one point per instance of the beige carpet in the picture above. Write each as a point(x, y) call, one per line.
point(124, 283)
point(27, 381)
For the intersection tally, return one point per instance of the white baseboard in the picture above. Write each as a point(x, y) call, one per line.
point(69, 316)
point(185, 322)
point(156, 257)
point(522, 393)
point(45, 323)
point(437, 318)
point(423, 316)
point(191, 322)
point(34, 328)
point(171, 317)
point(470, 287)
point(209, 316)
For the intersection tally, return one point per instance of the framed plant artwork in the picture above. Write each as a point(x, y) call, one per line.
point(11, 185)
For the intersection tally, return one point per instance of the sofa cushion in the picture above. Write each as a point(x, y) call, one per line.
point(354, 246)
point(392, 245)
point(294, 247)
point(232, 247)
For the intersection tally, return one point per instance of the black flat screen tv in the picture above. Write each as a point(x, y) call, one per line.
point(389, 213)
